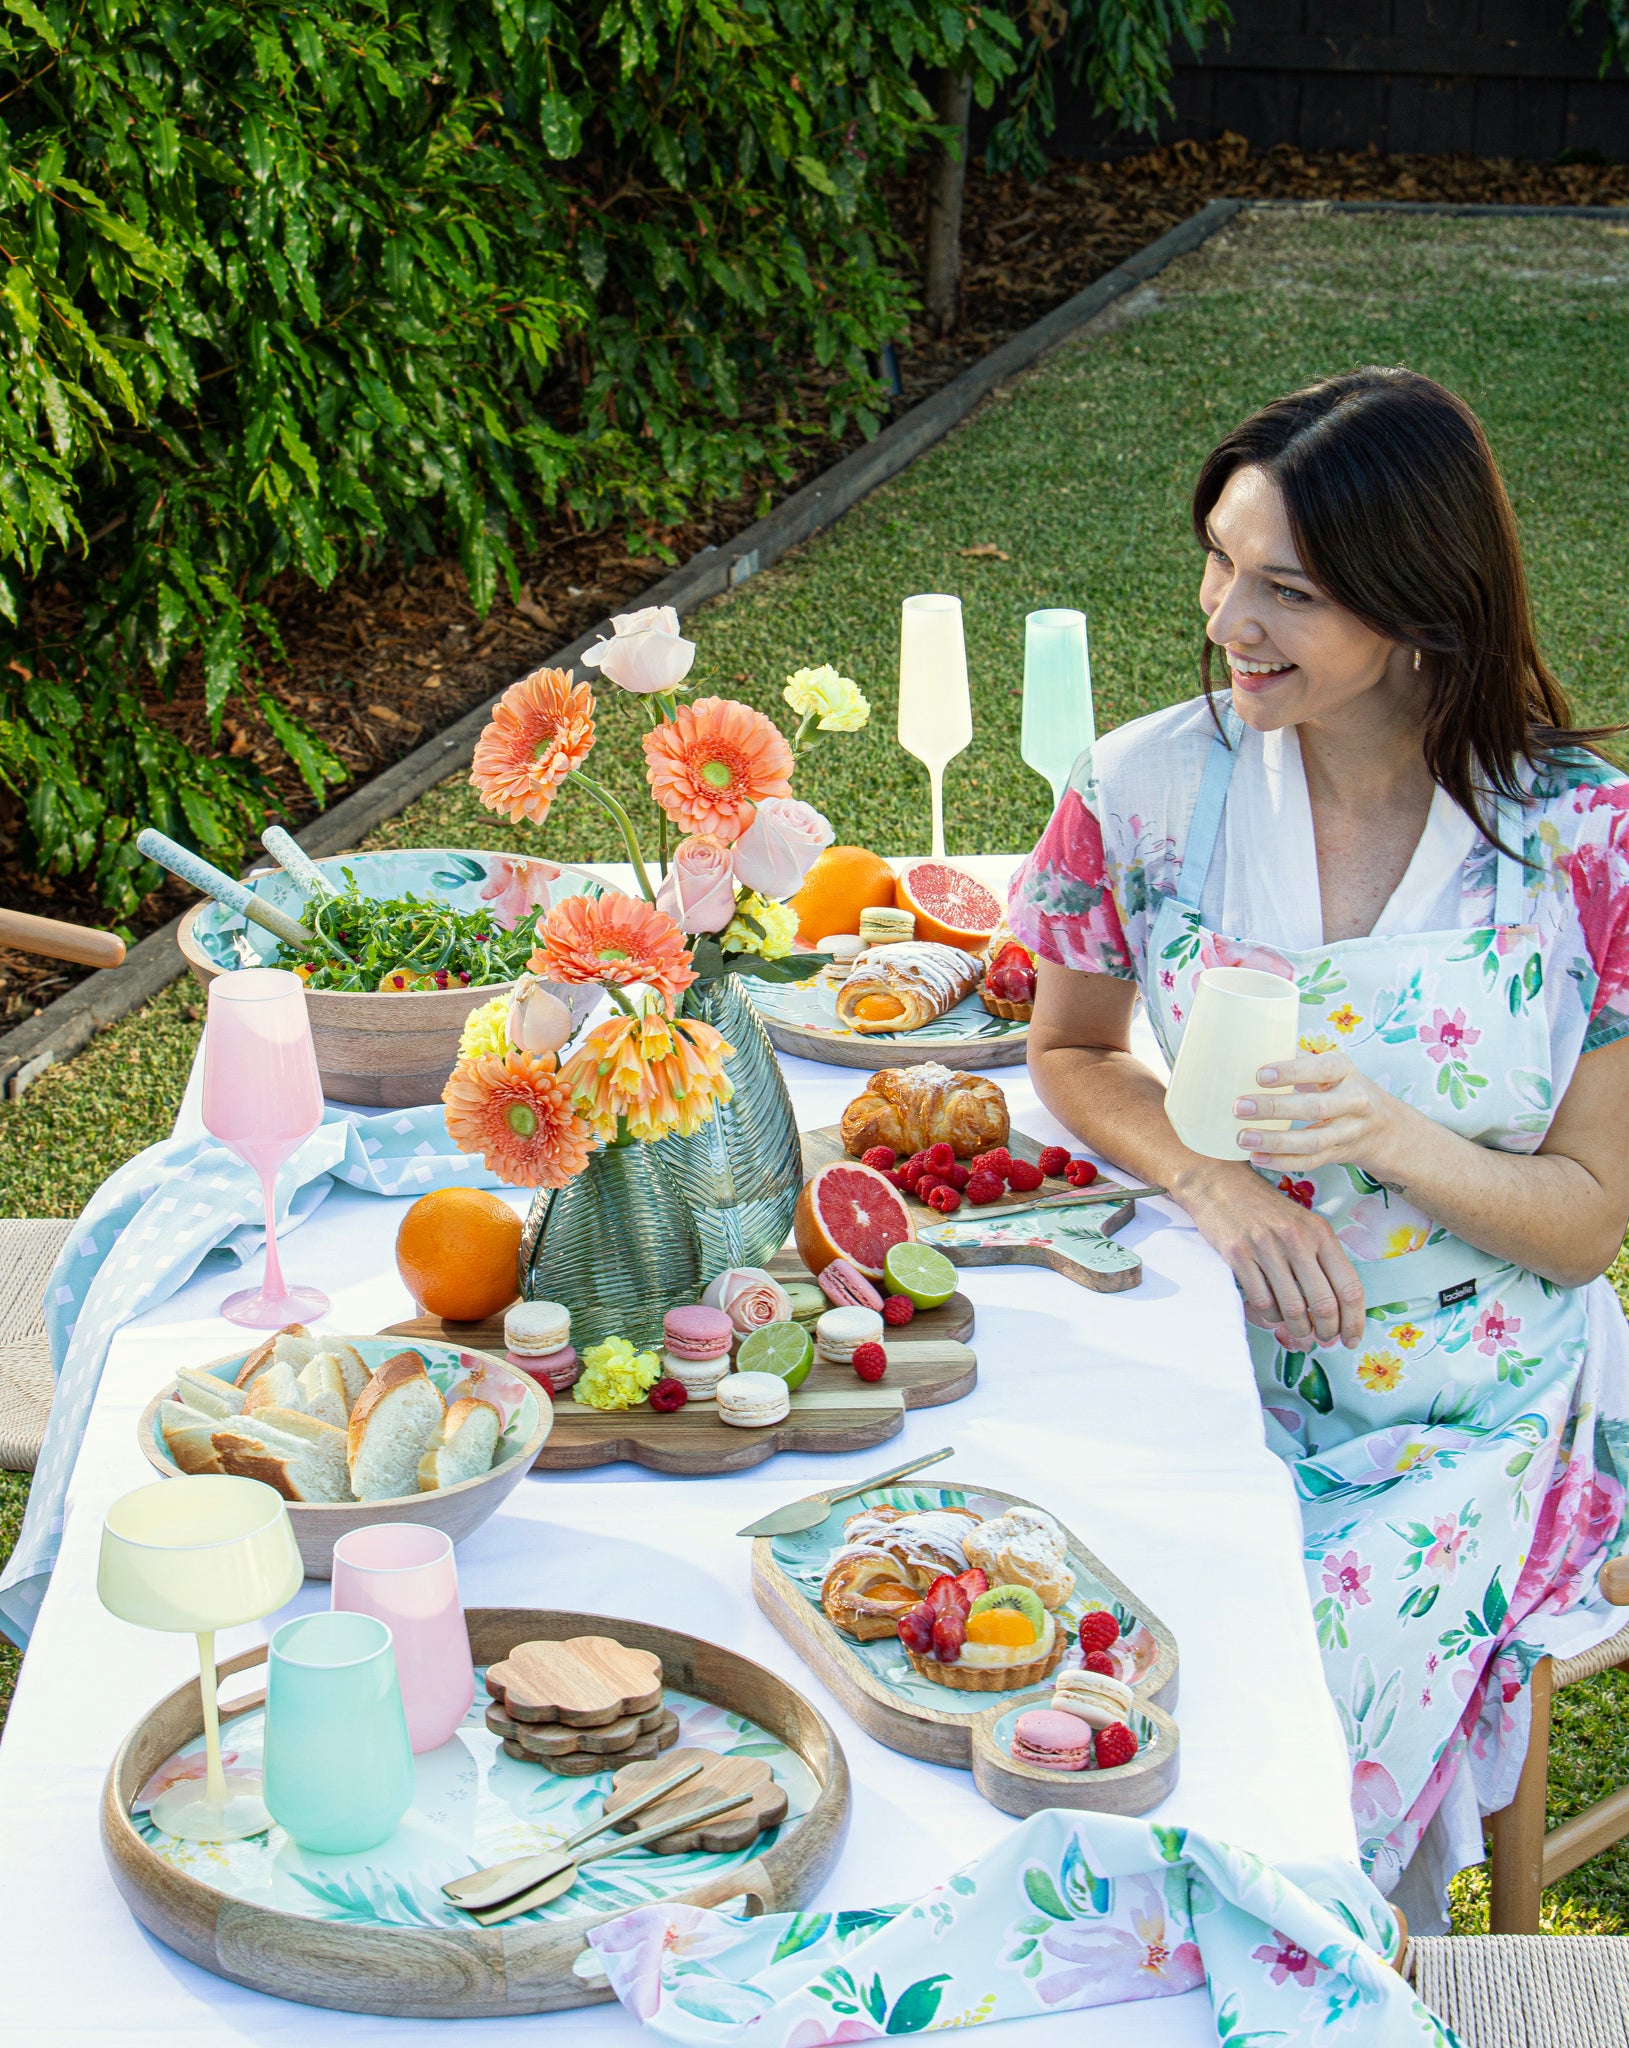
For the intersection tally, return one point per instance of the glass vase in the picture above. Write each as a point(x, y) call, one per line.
point(616, 1245)
point(742, 1172)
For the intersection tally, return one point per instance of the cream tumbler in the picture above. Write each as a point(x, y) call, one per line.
point(1241, 1019)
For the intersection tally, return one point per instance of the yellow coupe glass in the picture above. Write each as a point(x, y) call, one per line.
point(200, 1554)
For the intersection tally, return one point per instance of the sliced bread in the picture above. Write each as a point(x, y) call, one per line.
point(398, 1412)
point(268, 1349)
point(277, 1387)
point(302, 1458)
point(188, 1437)
point(322, 1390)
point(353, 1369)
point(462, 1448)
point(210, 1396)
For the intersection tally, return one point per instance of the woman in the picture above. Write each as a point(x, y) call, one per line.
point(1393, 814)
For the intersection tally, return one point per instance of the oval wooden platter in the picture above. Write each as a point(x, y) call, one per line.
point(928, 1365)
point(968, 1730)
point(802, 1020)
point(464, 1971)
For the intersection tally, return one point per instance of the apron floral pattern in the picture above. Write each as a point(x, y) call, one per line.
point(1462, 1471)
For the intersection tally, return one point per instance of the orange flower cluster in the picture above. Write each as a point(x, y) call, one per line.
point(614, 940)
point(713, 763)
point(664, 1075)
point(518, 1114)
point(540, 730)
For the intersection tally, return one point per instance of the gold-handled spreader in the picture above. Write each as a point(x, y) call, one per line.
point(809, 1514)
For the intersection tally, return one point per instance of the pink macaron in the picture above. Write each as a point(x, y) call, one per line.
point(698, 1333)
point(556, 1370)
point(1051, 1742)
point(844, 1284)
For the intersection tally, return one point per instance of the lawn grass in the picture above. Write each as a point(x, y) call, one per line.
point(1079, 474)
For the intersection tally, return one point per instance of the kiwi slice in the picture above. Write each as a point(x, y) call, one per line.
point(1020, 1598)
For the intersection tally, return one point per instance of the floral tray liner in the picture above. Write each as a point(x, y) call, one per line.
point(812, 1006)
point(803, 1559)
point(474, 1806)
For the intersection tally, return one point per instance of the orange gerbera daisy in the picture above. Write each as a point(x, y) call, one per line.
point(713, 762)
point(518, 1114)
point(614, 940)
point(541, 728)
point(663, 1075)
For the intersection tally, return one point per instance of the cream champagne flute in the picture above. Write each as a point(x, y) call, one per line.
point(1057, 724)
point(935, 714)
point(262, 1100)
point(196, 1555)
point(1241, 1019)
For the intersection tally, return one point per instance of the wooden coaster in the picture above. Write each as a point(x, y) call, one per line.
point(527, 1744)
point(585, 1682)
point(719, 1776)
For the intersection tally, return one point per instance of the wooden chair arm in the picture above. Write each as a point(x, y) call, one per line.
point(1615, 1581)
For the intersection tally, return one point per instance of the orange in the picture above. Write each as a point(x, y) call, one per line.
point(951, 908)
point(844, 881)
point(457, 1250)
point(1004, 1625)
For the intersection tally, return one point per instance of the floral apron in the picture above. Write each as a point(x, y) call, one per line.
point(1448, 1492)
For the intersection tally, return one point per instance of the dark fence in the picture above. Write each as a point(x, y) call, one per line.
point(1495, 77)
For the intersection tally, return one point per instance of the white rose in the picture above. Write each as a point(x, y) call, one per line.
point(647, 652)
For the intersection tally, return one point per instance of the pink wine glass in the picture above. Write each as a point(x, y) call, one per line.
point(402, 1573)
point(262, 1100)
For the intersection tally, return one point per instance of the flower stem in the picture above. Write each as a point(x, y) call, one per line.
point(619, 999)
point(603, 797)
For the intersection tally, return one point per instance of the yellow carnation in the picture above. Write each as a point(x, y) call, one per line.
point(615, 1375)
point(822, 693)
point(486, 1031)
point(779, 923)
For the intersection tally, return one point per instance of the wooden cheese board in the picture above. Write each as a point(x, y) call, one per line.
point(1076, 1242)
point(372, 1933)
point(929, 1364)
point(973, 1730)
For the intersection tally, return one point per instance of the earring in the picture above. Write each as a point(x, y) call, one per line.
point(1416, 661)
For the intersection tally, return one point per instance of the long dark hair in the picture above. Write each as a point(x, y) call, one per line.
point(1398, 512)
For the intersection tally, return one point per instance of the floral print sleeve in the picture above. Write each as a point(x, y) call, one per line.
point(1598, 876)
point(1062, 903)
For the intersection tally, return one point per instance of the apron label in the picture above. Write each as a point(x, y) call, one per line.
point(1451, 1297)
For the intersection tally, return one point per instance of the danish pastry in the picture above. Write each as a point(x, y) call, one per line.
point(864, 1594)
point(911, 1108)
point(922, 1547)
point(1024, 1547)
point(903, 987)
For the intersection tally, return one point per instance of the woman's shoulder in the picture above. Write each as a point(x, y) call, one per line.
point(1580, 796)
point(1156, 752)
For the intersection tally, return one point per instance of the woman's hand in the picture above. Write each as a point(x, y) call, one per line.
point(1349, 1120)
point(1295, 1278)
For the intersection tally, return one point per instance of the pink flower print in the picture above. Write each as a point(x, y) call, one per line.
point(515, 886)
point(1445, 1037)
point(1346, 1578)
point(1217, 951)
point(1374, 1792)
point(1445, 1554)
point(1431, 1663)
point(1109, 1965)
point(179, 1771)
point(1425, 1698)
point(1074, 841)
point(1288, 1962)
point(634, 1949)
point(1495, 1327)
point(1176, 1014)
point(1600, 879)
point(809, 2033)
point(1167, 978)
point(1301, 1191)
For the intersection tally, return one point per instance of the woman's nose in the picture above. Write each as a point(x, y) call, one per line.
point(1230, 623)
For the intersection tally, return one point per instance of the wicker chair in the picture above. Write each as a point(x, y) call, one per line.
point(28, 1251)
point(1526, 1991)
point(1523, 1856)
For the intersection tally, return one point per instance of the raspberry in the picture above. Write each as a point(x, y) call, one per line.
point(998, 1161)
point(940, 1157)
point(667, 1395)
point(882, 1157)
point(897, 1311)
point(924, 1188)
point(945, 1199)
point(1098, 1629)
point(913, 1170)
point(1080, 1173)
point(958, 1177)
point(1053, 1160)
point(918, 1162)
point(1101, 1662)
point(898, 1180)
point(982, 1188)
point(1024, 1179)
point(870, 1361)
point(1115, 1745)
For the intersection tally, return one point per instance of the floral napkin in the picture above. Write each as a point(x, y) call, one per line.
point(1070, 1910)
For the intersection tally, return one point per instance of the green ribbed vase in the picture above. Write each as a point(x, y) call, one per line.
point(742, 1172)
point(617, 1245)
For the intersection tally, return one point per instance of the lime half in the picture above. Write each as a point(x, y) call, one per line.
point(785, 1349)
point(920, 1273)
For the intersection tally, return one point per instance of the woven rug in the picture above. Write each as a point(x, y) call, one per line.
point(28, 1251)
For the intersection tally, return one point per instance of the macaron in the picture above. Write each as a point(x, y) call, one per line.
point(1092, 1697)
point(533, 1329)
point(808, 1303)
point(884, 926)
point(843, 1284)
point(698, 1333)
point(840, 1331)
point(753, 1400)
point(1050, 1741)
point(841, 946)
point(698, 1376)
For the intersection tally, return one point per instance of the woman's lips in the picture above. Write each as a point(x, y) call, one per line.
point(1258, 676)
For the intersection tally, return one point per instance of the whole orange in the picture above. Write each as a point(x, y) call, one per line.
point(844, 881)
point(457, 1251)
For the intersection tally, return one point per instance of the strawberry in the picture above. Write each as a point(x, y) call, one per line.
point(667, 1395)
point(1024, 1179)
point(1115, 1744)
point(1080, 1173)
point(1054, 1158)
point(898, 1310)
point(943, 1593)
point(945, 1199)
point(940, 1157)
point(1098, 1630)
point(984, 1187)
point(997, 1161)
point(882, 1157)
point(870, 1361)
point(973, 1582)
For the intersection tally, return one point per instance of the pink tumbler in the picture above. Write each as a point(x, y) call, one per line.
point(403, 1574)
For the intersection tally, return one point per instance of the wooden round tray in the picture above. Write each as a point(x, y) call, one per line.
point(463, 1971)
point(801, 1019)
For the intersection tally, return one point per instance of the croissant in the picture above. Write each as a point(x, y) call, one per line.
point(864, 1595)
point(911, 1108)
point(903, 987)
point(1024, 1547)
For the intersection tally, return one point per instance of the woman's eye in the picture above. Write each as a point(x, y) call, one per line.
point(1291, 595)
point(1219, 558)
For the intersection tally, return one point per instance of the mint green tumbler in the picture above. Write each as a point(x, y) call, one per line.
point(338, 1766)
point(1057, 723)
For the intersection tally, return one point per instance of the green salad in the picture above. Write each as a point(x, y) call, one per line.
point(408, 943)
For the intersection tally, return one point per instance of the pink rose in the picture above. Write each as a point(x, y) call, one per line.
point(647, 652)
point(780, 846)
point(750, 1297)
point(698, 892)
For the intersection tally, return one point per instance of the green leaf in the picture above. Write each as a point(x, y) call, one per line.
point(1043, 1893)
point(559, 124)
point(814, 172)
point(31, 17)
point(916, 2005)
point(318, 766)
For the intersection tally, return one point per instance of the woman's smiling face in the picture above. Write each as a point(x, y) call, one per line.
point(1293, 654)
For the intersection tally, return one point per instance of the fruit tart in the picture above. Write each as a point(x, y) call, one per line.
point(972, 1637)
point(1009, 979)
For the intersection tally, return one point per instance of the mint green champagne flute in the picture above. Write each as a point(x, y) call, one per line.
point(1058, 723)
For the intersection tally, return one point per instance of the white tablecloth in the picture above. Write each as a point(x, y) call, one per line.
point(1132, 1416)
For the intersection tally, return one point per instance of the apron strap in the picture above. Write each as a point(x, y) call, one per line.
point(1510, 887)
point(1206, 821)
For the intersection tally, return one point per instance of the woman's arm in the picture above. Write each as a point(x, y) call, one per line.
point(1294, 1276)
point(1560, 1212)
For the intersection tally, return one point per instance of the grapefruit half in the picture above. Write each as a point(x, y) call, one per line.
point(951, 908)
point(848, 1211)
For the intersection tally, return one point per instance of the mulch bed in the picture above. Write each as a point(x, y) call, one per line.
point(380, 662)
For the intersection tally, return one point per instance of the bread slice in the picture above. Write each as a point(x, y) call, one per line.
point(188, 1437)
point(322, 1390)
point(462, 1448)
point(278, 1386)
point(264, 1352)
point(210, 1396)
point(399, 1410)
point(353, 1370)
point(302, 1458)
